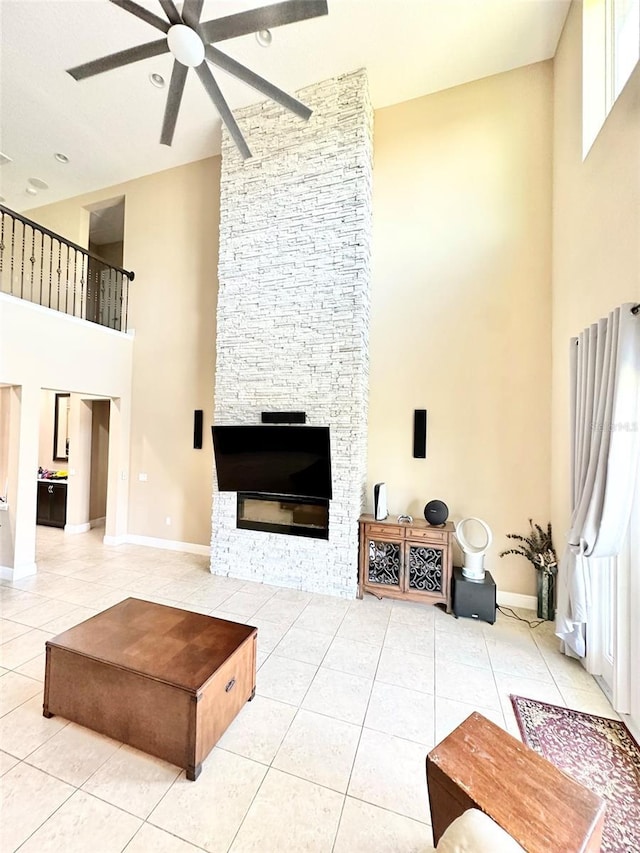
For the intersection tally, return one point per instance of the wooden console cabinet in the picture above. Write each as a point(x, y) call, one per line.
point(405, 560)
point(52, 503)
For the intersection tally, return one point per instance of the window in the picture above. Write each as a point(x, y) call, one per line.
point(610, 52)
point(625, 36)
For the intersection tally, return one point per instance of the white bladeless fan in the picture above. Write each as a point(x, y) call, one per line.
point(473, 567)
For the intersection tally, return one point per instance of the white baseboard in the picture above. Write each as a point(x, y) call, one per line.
point(153, 542)
point(516, 599)
point(115, 540)
point(15, 574)
point(74, 529)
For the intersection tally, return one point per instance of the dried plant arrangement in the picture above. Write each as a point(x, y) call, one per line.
point(537, 548)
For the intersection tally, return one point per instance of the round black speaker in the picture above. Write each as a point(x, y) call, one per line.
point(436, 512)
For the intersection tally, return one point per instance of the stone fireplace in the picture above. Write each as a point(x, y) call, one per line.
point(293, 319)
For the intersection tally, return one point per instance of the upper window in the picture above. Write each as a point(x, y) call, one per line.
point(610, 52)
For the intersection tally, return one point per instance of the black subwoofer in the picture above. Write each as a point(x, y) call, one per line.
point(475, 599)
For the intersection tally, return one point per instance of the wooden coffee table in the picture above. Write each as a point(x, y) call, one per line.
point(164, 680)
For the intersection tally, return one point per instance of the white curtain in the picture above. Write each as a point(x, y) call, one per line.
point(605, 369)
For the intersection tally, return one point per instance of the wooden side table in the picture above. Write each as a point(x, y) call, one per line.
point(412, 561)
point(481, 766)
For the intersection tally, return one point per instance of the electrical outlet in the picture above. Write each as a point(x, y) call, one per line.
point(123, 475)
point(167, 520)
point(142, 478)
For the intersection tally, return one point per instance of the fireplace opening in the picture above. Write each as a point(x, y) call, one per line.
point(294, 516)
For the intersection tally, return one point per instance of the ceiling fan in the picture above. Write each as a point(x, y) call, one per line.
point(191, 44)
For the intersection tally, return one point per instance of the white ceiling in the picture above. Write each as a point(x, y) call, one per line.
point(109, 125)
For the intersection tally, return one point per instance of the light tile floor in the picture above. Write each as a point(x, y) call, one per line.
point(330, 756)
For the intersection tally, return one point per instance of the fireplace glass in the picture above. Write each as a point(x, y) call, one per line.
point(285, 514)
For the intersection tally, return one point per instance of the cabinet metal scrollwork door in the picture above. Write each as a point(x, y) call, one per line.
point(384, 562)
point(424, 566)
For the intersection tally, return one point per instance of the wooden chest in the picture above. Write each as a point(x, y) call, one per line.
point(158, 678)
point(481, 766)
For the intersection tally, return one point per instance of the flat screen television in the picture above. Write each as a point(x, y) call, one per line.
point(278, 460)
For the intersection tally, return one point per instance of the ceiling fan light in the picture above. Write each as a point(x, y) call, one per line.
point(186, 45)
point(264, 38)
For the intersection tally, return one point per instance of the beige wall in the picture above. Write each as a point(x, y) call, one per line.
point(171, 243)
point(8, 465)
point(5, 404)
point(596, 232)
point(460, 321)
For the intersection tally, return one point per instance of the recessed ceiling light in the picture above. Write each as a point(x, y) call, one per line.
point(264, 38)
point(157, 80)
point(38, 184)
point(61, 158)
point(32, 191)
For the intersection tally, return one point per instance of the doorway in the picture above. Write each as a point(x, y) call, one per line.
point(106, 240)
point(99, 462)
point(634, 622)
point(615, 634)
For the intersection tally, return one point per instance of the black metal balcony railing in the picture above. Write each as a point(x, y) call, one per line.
point(42, 267)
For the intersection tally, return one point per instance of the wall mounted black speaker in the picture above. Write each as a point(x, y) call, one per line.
point(284, 417)
point(197, 429)
point(420, 434)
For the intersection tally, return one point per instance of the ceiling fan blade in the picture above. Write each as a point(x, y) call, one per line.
point(191, 11)
point(213, 90)
point(264, 18)
point(142, 13)
point(169, 8)
point(216, 57)
point(176, 88)
point(117, 60)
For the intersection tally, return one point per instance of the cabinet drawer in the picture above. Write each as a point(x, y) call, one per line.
point(432, 535)
point(384, 530)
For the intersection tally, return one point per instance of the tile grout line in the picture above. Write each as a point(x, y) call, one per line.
point(355, 755)
point(298, 708)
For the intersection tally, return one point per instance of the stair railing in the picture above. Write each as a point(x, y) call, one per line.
point(40, 266)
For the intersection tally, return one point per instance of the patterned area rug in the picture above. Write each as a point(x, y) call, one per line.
point(598, 752)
